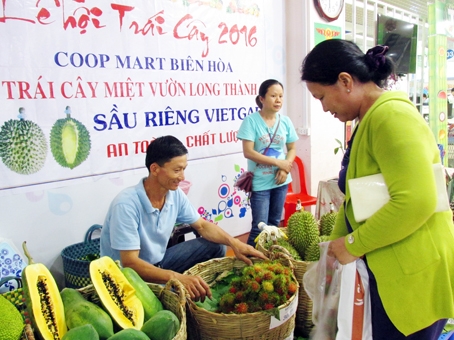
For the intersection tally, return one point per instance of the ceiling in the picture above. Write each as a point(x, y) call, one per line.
point(415, 6)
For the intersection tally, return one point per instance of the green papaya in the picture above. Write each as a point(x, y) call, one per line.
point(150, 302)
point(79, 311)
point(129, 334)
point(164, 325)
point(85, 332)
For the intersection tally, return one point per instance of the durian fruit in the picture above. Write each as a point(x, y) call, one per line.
point(69, 141)
point(285, 244)
point(302, 231)
point(12, 323)
point(327, 223)
point(313, 251)
point(23, 146)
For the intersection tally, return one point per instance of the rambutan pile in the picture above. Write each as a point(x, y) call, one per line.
point(260, 287)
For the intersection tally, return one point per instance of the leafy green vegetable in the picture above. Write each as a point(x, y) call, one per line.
point(218, 287)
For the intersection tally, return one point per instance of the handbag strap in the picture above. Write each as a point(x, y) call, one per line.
point(272, 138)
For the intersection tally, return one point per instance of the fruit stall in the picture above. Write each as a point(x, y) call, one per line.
point(263, 301)
point(101, 300)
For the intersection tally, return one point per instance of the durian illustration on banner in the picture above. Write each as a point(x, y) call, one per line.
point(69, 141)
point(23, 146)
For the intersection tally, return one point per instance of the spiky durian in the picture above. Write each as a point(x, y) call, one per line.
point(69, 141)
point(327, 222)
point(313, 251)
point(23, 146)
point(302, 230)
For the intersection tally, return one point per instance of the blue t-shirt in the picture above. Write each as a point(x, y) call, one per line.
point(255, 129)
point(132, 223)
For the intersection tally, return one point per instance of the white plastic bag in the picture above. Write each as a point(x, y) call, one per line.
point(354, 314)
point(322, 284)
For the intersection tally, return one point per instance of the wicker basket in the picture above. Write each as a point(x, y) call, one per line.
point(17, 298)
point(303, 322)
point(206, 325)
point(76, 261)
point(172, 297)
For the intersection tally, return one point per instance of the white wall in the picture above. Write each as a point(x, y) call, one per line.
point(317, 149)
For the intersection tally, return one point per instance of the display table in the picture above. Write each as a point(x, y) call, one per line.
point(328, 192)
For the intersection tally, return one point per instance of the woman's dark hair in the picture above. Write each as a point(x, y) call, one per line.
point(331, 57)
point(263, 89)
point(163, 149)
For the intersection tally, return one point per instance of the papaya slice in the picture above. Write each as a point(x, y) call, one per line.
point(116, 294)
point(150, 302)
point(43, 300)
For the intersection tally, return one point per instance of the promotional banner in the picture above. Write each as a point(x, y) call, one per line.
point(86, 85)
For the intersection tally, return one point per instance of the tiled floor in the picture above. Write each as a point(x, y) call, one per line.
point(241, 238)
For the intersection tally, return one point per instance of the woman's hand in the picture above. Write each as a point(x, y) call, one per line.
point(338, 250)
point(284, 164)
point(281, 176)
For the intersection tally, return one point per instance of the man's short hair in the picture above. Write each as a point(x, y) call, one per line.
point(163, 149)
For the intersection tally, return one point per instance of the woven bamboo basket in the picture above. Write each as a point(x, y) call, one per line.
point(206, 325)
point(17, 298)
point(172, 297)
point(77, 257)
point(303, 318)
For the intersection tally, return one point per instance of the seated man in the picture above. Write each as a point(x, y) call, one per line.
point(140, 221)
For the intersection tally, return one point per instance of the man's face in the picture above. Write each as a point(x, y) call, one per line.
point(172, 173)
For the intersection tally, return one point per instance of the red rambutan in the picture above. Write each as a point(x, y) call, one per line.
point(241, 308)
point(268, 306)
point(264, 296)
point(239, 296)
point(268, 275)
point(292, 288)
point(254, 286)
point(257, 268)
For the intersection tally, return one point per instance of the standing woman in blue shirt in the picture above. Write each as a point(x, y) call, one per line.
point(271, 165)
